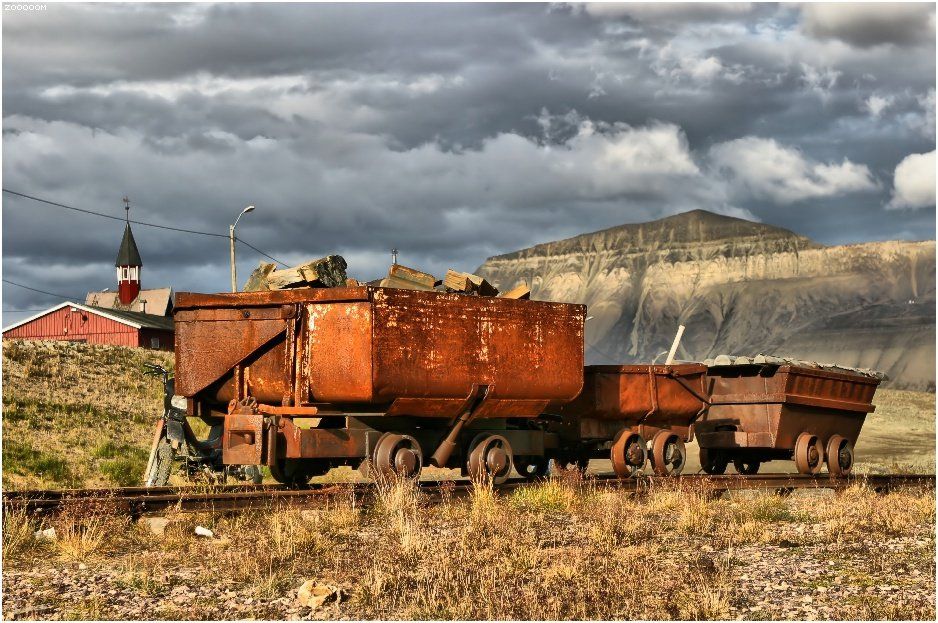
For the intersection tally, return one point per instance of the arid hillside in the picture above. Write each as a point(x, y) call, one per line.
point(741, 288)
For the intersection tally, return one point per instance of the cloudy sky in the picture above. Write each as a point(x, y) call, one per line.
point(452, 132)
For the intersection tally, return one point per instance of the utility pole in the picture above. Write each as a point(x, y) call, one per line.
point(231, 240)
point(394, 256)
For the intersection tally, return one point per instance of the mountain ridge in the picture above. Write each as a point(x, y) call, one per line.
point(740, 288)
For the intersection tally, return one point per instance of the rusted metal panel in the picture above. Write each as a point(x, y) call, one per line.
point(237, 300)
point(207, 350)
point(339, 351)
point(431, 345)
point(646, 397)
point(243, 439)
point(401, 345)
point(770, 406)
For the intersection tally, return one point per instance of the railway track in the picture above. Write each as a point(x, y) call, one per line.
point(137, 501)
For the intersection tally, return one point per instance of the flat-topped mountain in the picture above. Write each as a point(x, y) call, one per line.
point(740, 288)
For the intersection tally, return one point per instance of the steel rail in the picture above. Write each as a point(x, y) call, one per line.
point(138, 501)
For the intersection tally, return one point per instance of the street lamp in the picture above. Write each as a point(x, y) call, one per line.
point(231, 239)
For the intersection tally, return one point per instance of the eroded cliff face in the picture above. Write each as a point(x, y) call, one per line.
point(740, 288)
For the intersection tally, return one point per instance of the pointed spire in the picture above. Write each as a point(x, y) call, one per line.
point(128, 255)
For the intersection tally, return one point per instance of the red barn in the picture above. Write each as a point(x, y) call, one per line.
point(75, 322)
point(118, 318)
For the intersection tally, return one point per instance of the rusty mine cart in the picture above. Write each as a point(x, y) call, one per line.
point(769, 411)
point(385, 379)
point(623, 408)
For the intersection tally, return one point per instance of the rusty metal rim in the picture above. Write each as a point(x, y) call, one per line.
point(659, 460)
point(835, 446)
point(805, 443)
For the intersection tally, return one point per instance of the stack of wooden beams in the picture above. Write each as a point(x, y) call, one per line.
point(405, 278)
point(326, 272)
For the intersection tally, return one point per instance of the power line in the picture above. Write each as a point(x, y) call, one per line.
point(61, 296)
point(259, 251)
point(117, 218)
point(110, 216)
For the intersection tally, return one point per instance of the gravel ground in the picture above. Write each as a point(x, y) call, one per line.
point(852, 580)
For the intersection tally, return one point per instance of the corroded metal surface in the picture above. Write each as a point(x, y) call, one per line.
point(769, 407)
point(379, 346)
point(646, 398)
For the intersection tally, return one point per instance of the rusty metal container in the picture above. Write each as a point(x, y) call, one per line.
point(648, 402)
point(645, 397)
point(762, 412)
point(400, 352)
point(375, 373)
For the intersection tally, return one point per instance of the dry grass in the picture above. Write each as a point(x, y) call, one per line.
point(551, 550)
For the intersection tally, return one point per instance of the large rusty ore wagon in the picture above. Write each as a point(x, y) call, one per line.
point(623, 408)
point(393, 379)
point(769, 411)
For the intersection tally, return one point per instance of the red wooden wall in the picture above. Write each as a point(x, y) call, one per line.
point(82, 326)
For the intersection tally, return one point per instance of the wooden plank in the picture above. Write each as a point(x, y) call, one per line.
point(521, 291)
point(455, 280)
point(403, 284)
point(410, 274)
point(483, 287)
point(257, 282)
point(326, 272)
point(468, 283)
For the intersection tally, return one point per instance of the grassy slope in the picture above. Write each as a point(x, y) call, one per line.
point(77, 414)
point(81, 415)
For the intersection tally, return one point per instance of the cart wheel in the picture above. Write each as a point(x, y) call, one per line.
point(713, 461)
point(809, 454)
point(668, 454)
point(291, 472)
point(397, 456)
point(532, 467)
point(490, 458)
point(628, 454)
point(747, 467)
point(839, 456)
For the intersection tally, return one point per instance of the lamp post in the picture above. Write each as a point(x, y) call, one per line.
point(231, 239)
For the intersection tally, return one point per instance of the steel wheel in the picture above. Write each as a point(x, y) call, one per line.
point(291, 472)
point(628, 453)
point(839, 456)
point(713, 461)
point(532, 467)
point(490, 458)
point(747, 467)
point(668, 454)
point(397, 456)
point(809, 454)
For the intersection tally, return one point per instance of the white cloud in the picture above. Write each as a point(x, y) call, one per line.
point(914, 182)
point(821, 80)
point(764, 169)
point(875, 104)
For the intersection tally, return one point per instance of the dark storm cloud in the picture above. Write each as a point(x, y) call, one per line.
point(451, 132)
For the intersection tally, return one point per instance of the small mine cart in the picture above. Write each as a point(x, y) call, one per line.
point(768, 411)
point(309, 378)
point(631, 404)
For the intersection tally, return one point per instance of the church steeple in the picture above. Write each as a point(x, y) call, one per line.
point(128, 263)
